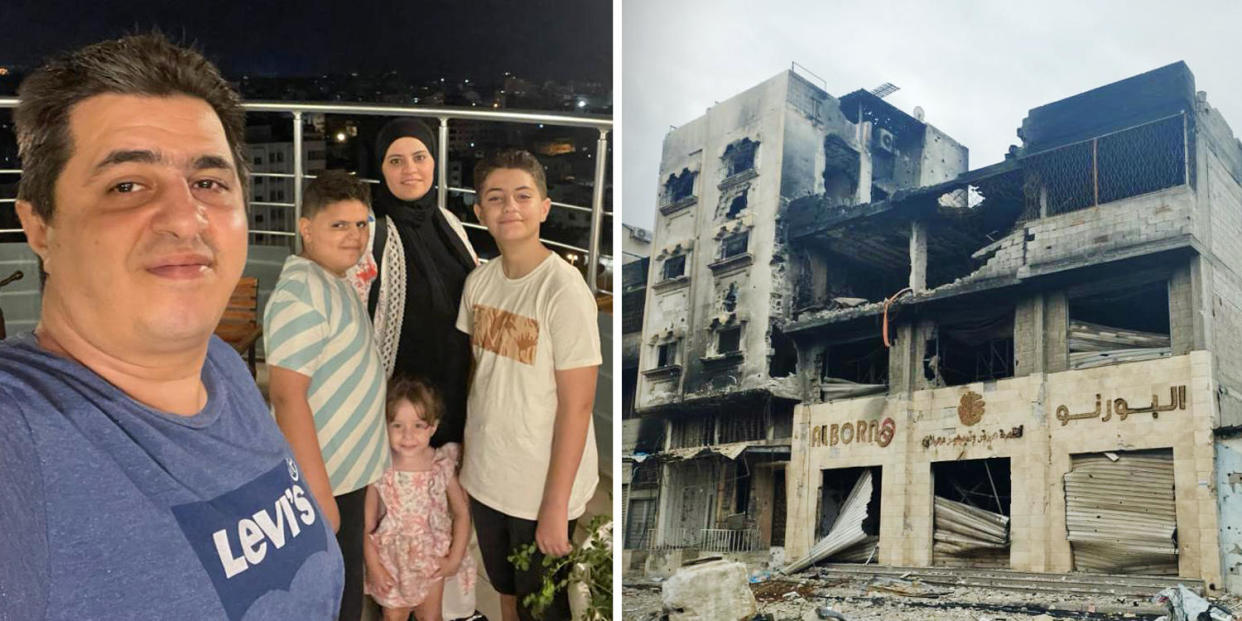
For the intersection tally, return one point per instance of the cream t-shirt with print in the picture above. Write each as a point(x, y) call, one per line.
point(522, 331)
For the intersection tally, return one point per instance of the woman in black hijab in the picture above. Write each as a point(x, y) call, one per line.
point(423, 256)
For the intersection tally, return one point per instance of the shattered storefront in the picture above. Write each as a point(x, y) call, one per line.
point(1100, 470)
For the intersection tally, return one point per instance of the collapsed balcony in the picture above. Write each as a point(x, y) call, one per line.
point(1023, 218)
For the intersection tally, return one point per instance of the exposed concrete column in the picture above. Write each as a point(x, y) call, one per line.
point(1181, 312)
point(903, 362)
point(918, 256)
point(863, 195)
point(1028, 336)
point(1056, 332)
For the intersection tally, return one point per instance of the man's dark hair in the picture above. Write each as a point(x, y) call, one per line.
point(332, 186)
point(512, 158)
point(146, 64)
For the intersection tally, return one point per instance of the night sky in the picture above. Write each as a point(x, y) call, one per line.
point(538, 39)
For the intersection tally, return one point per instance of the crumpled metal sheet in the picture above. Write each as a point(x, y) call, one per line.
point(1186, 605)
point(845, 532)
point(1120, 515)
point(969, 536)
point(730, 450)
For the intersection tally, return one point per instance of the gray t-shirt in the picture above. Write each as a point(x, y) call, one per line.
point(110, 509)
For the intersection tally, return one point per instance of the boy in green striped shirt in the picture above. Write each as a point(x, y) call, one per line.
point(327, 381)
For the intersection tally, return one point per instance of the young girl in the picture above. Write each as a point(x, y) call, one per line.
point(417, 515)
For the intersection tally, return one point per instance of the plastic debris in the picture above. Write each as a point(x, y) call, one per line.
point(1186, 605)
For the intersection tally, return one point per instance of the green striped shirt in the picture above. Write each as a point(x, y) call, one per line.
point(315, 324)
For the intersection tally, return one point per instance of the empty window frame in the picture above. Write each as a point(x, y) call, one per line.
point(734, 245)
point(666, 354)
point(860, 362)
point(972, 347)
point(971, 512)
point(739, 156)
point(674, 267)
point(728, 340)
point(736, 207)
point(680, 186)
point(1122, 325)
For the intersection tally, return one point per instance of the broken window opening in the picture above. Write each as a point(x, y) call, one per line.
point(971, 512)
point(674, 267)
point(1121, 512)
point(841, 167)
point(680, 186)
point(784, 359)
point(848, 526)
point(854, 369)
point(1124, 325)
point(973, 348)
point(666, 354)
point(734, 245)
point(744, 427)
point(728, 340)
point(736, 207)
point(739, 156)
point(694, 431)
point(644, 499)
point(778, 507)
point(729, 301)
point(858, 270)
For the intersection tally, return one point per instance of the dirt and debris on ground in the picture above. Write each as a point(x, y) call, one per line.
point(859, 599)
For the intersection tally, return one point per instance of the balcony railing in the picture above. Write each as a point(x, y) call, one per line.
point(729, 540)
point(297, 109)
point(707, 540)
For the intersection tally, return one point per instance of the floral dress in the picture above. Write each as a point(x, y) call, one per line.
point(417, 530)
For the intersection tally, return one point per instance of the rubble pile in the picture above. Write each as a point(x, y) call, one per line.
point(804, 597)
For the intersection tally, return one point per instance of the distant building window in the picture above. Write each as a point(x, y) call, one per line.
point(728, 340)
point(666, 354)
point(258, 219)
point(258, 180)
point(258, 160)
point(675, 267)
point(271, 157)
point(280, 156)
point(734, 245)
point(729, 301)
point(736, 207)
point(680, 186)
point(739, 157)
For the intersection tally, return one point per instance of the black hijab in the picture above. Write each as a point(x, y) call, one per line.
point(436, 264)
point(437, 247)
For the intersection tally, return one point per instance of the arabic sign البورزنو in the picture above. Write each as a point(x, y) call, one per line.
point(1119, 406)
point(877, 432)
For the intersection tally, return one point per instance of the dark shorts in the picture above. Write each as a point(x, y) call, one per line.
point(498, 535)
point(350, 538)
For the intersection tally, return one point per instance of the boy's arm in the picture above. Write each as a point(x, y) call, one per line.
point(294, 417)
point(575, 394)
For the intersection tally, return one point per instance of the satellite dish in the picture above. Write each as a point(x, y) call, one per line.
point(918, 112)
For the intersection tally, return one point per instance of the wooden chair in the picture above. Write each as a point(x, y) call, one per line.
point(239, 326)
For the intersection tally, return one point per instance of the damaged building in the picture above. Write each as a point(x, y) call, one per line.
point(1035, 365)
point(718, 373)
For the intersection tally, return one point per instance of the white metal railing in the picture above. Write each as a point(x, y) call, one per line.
point(443, 115)
point(729, 540)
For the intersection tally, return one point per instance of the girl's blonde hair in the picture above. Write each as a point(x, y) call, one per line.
point(419, 393)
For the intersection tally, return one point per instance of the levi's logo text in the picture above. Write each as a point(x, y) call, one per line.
point(255, 538)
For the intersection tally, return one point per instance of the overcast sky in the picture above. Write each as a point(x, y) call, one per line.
point(974, 67)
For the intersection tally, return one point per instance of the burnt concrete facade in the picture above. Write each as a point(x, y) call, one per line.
point(715, 368)
point(1074, 307)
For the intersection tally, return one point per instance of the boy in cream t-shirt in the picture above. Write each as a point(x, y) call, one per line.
point(530, 464)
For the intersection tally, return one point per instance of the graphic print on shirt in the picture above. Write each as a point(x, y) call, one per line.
point(504, 333)
point(255, 538)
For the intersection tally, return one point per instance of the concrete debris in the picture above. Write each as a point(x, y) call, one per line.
point(824, 612)
point(1185, 605)
point(904, 587)
point(716, 590)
